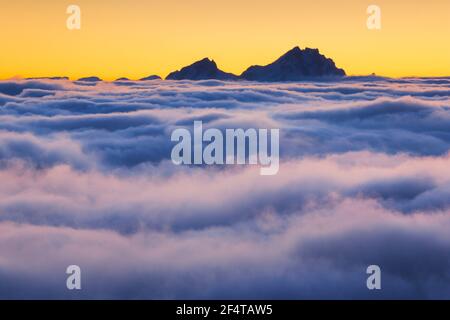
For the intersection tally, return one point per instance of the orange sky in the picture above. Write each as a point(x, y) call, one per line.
point(135, 38)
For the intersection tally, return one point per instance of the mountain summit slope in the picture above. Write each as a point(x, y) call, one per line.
point(201, 70)
point(294, 65)
point(151, 77)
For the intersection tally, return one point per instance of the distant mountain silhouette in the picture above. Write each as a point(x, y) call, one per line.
point(152, 77)
point(90, 79)
point(201, 70)
point(294, 65)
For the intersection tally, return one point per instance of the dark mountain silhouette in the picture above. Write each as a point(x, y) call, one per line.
point(201, 70)
point(90, 79)
point(48, 78)
point(294, 65)
point(152, 77)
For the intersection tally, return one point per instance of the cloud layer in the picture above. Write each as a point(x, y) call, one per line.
point(87, 180)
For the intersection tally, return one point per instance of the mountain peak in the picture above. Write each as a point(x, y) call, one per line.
point(294, 53)
point(294, 65)
point(294, 50)
point(151, 77)
point(90, 79)
point(207, 61)
point(201, 70)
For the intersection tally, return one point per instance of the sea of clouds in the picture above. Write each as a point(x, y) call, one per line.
point(86, 179)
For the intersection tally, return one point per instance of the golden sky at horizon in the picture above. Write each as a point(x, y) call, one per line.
point(136, 38)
